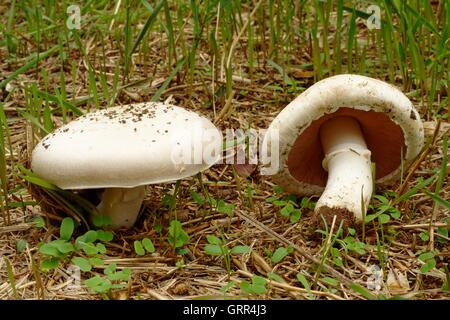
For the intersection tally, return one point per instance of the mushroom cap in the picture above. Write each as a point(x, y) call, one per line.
point(390, 125)
point(127, 146)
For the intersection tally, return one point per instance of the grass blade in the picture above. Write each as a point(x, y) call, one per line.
point(172, 74)
point(27, 66)
point(147, 25)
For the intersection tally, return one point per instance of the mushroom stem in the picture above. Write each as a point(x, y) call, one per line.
point(122, 205)
point(347, 160)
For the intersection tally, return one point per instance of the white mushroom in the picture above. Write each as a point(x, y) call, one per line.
point(341, 124)
point(125, 148)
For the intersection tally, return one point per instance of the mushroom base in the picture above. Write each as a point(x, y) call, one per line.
point(122, 205)
point(326, 214)
point(347, 160)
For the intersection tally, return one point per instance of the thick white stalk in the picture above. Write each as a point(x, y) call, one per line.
point(122, 205)
point(349, 186)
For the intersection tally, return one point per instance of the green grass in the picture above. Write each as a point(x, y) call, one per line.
point(405, 26)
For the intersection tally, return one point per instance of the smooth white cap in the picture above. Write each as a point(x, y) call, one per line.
point(128, 146)
point(389, 122)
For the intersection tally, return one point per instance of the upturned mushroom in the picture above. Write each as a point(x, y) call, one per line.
point(330, 135)
point(124, 148)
